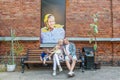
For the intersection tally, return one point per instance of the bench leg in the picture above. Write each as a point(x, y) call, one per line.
point(49, 65)
point(27, 66)
point(83, 63)
point(82, 66)
point(23, 67)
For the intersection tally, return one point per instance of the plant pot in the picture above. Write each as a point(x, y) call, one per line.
point(11, 67)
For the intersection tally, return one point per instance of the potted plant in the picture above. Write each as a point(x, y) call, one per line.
point(94, 31)
point(16, 48)
point(11, 60)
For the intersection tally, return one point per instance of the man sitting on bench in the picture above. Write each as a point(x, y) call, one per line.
point(70, 56)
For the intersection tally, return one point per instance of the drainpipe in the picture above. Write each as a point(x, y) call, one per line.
point(112, 31)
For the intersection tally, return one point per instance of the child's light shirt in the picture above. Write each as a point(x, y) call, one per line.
point(60, 54)
point(58, 51)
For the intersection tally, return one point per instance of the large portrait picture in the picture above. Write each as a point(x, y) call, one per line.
point(52, 20)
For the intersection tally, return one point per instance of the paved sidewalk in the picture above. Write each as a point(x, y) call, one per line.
point(105, 73)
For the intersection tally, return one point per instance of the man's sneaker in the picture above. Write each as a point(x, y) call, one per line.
point(71, 74)
point(54, 73)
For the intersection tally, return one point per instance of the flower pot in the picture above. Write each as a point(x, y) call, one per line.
point(11, 67)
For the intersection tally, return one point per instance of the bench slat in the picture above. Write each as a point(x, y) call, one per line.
point(37, 62)
point(34, 55)
point(37, 50)
point(46, 61)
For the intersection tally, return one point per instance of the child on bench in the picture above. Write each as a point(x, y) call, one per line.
point(57, 57)
point(44, 57)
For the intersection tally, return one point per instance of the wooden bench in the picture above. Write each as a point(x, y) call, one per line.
point(33, 57)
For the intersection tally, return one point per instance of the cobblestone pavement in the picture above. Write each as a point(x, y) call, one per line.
point(105, 73)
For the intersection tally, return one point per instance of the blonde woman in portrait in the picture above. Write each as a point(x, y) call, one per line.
point(51, 32)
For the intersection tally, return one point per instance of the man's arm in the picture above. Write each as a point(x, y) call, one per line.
point(74, 49)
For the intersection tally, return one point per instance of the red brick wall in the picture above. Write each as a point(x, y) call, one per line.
point(24, 17)
point(116, 18)
point(78, 17)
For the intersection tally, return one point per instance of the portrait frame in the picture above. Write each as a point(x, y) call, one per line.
point(56, 8)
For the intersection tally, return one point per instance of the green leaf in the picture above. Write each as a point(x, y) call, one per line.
point(95, 29)
point(95, 47)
